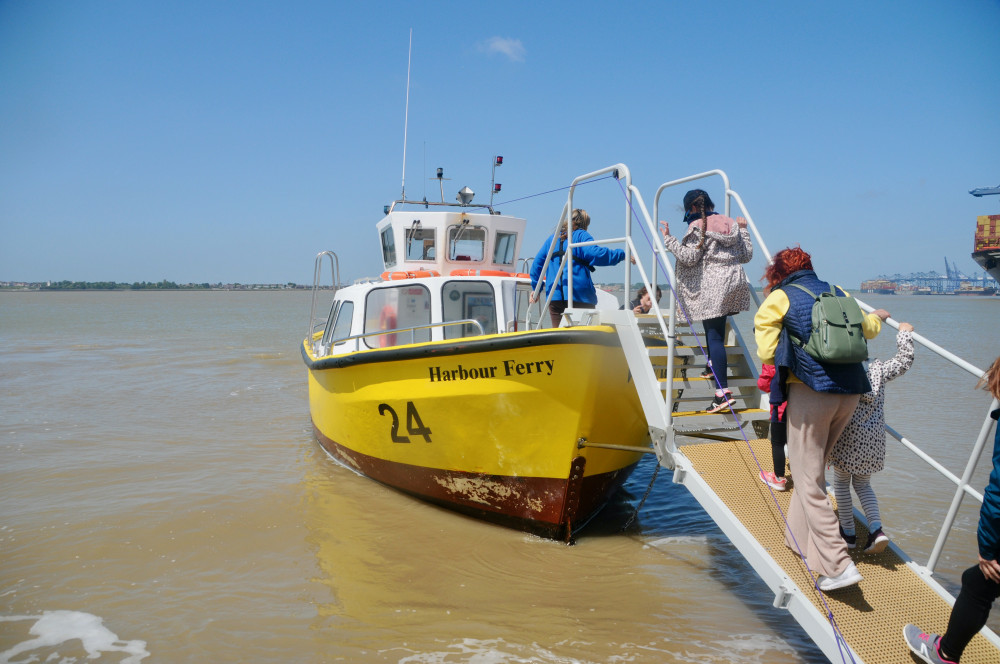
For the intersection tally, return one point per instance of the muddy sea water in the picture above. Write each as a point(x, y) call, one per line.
point(162, 499)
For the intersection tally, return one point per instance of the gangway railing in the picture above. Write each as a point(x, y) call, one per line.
point(963, 487)
point(660, 413)
point(658, 405)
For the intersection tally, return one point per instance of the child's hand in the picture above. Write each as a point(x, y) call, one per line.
point(905, 327)
point(882, 313)
point(664, 228)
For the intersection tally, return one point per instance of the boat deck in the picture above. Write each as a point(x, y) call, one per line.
point(870, 615)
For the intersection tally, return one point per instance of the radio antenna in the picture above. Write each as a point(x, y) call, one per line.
point(406, 115)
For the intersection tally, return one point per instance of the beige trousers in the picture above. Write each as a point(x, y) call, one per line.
point(815, 421)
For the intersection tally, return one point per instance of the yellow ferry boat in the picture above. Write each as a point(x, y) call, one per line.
point(429, 381)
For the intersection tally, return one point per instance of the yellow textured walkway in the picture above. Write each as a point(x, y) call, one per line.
point(870, 615)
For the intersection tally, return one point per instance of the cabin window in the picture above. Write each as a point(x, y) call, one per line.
point(503, 252)
point(420, 244)
point(401, 309)
point(328, 330)
point(464, 300)
point(466, 243)
point(388, 247)
point(522, 301)
point(342, 328)
point(338, 325)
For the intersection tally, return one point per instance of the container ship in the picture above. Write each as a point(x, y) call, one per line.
point(987, 246)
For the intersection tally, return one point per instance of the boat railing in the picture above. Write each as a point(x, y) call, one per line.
point(323, 349)
point(314, 323)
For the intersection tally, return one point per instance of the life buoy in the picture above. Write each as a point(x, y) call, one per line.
point(387, 321)
point(417, 274)
point(481, 273)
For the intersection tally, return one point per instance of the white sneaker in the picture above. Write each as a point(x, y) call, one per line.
point(848, 577)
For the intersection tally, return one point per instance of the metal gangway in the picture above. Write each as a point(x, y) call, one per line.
point(715, 456)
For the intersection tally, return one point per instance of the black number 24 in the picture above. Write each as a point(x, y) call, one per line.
point(414, 425)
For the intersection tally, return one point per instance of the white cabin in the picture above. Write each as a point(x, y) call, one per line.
point(415, 241)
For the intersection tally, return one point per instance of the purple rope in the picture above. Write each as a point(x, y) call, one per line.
point(550, 191)
point(841, 642)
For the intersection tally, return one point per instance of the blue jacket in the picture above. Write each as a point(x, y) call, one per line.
point(989, 514)
point(584, 259)
point(836, 378)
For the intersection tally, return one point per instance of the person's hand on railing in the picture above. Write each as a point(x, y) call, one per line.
point(882, 313)
point(741, 222)
point(532, 298)
point(905, 327)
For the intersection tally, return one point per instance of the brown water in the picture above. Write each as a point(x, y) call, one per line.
point(163, 500)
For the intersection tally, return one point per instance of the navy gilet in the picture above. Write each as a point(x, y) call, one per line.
point(821, 377)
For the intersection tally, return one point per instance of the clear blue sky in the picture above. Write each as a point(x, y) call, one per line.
point(232, 141)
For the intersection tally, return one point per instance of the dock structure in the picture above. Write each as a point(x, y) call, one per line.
point(870, 616)
point(715, 455)
point(718, 458)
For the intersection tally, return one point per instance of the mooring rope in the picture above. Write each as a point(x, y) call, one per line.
point(841, 642)
point(649, 488)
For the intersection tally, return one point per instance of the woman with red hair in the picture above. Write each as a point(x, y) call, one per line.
point(821, 399)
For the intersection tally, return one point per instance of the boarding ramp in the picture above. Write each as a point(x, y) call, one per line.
point(718, 458)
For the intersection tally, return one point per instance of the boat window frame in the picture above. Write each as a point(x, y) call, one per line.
point(510, 247)
point(388, 242)
point(328, 329)
point(421, 236)
point(345, 313)
point(454, 235)
point(409, 333)
point(460, 331)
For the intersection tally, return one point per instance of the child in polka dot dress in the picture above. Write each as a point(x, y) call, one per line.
point(860, 450)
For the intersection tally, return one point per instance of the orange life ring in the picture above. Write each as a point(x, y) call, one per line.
point(387, 321)
point(396, 276)
point(480, 273)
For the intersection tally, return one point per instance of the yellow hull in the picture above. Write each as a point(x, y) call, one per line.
point(489, 425)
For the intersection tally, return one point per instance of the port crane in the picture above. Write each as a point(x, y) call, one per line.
point(985, 191)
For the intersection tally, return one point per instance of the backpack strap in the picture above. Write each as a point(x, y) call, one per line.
point(791, 337)
point(559, 253)
point(801, 287)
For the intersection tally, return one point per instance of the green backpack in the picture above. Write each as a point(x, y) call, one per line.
point(837, 336)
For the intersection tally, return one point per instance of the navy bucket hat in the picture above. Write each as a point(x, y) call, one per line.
point(690, 198)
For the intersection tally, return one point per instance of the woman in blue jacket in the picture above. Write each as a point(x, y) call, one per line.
point(980, 583)
point(585, 259)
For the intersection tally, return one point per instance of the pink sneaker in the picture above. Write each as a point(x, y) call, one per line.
point(772, 480)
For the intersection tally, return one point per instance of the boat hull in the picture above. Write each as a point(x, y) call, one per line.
point(989, 260)
point(489, 426)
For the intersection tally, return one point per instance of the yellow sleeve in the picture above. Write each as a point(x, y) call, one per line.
point(871, 325)
point(767, 324)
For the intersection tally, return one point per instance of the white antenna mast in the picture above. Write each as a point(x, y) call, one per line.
point(406, 116)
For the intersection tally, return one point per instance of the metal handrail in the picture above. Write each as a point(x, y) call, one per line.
point(317, 277)
point(963, 487)
point(411, 329)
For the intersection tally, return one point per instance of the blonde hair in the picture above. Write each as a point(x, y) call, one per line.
point(580, 220)
point(991, 379)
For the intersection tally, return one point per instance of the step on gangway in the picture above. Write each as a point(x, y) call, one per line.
point(717, 457)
